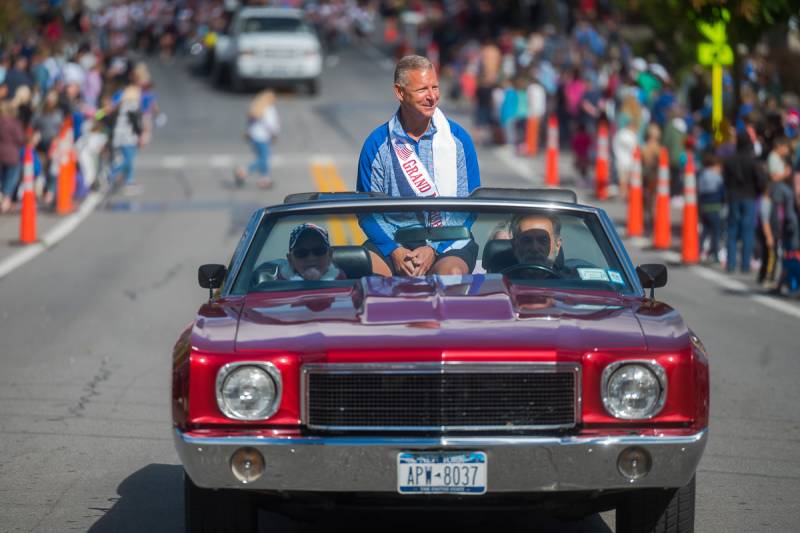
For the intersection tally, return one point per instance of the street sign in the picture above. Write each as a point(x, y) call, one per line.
point(715, 54)
point(715, 32)
point(709, 54)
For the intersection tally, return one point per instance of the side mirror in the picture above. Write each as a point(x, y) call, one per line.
point(210, 277)
point(651, 276)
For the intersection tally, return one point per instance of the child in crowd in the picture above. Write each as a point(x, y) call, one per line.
point(711, 195)
point(262, 129)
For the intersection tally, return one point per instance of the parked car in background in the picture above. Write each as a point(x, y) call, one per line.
point(548, 378)
point(266, 45)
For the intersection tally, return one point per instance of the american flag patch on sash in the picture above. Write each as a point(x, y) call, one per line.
point(402, 150)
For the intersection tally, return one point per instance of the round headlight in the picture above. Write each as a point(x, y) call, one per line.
point(634, 390)
point(248, 391)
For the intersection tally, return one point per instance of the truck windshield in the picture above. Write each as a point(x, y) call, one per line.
point(273, 24)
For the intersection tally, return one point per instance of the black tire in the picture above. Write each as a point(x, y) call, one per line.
point(237, 83)
point(658, 511)
point(312, 87)
point(219, 75)
point(218, 511)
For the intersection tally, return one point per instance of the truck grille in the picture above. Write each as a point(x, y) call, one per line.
point(440, 396)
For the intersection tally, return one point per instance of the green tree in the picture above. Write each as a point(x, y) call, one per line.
point(12, 18)
point(675, 23)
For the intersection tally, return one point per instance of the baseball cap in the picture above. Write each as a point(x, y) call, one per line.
point(639, 64)
point(659, 71)
point(298, 231)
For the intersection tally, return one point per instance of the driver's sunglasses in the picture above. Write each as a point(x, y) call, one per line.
point(539, 237)
point(302, 253)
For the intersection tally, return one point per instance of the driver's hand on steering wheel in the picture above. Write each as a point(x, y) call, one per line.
point(531, 271)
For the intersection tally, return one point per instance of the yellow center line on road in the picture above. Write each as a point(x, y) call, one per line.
point(344, 229)
point(321, 174)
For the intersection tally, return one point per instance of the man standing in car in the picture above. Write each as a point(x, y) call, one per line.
point(418, 153)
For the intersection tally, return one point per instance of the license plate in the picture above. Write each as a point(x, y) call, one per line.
point(441, 473)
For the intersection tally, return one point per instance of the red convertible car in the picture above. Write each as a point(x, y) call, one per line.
point(546, 377)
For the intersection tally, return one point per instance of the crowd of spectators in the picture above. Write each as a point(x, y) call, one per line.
point(63, 64)
point(82, 63)
point(572, 63)
point(576, 65)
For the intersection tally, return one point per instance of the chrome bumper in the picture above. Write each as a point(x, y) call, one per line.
point(369, 464)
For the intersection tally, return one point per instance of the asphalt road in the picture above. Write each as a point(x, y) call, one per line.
point(86, 331)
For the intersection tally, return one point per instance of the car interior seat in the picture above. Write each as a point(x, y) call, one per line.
point(353, 260)
point(498, 255)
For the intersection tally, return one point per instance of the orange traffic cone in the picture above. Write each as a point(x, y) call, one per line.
point(27, 222)
point(63, 196)
point(551, 164)
point(390, 31)
point(635, 199)
point(690, 242)
point(469, 85)
point(65, 186)
point(73, 172)
point(532, 136)
point(601, 163)
point(662, 238)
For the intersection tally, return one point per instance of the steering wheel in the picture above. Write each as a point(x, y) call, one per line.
point(530, 271)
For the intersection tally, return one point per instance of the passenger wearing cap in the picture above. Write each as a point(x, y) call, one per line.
point(309, 256)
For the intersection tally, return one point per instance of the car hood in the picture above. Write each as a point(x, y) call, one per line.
point(434, 313)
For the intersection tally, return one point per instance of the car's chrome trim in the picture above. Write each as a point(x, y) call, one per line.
point(404, 203)
point(622, 253)
point(442, 367)
point(240, 252)
point(367, 464)
point(654, 367)
point(267, 367)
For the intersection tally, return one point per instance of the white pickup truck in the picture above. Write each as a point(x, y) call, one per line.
point(268, 46)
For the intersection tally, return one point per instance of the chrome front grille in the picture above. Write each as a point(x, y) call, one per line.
point(454, 396)
point(279, 54)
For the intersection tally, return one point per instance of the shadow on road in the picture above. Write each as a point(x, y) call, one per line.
point(423, 522)
point(151, 501)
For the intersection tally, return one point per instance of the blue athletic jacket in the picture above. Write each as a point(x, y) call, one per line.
point(379, 170)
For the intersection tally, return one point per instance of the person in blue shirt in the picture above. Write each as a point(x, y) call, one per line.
point(418, 153)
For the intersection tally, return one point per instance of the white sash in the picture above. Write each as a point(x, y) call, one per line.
point(445, 180)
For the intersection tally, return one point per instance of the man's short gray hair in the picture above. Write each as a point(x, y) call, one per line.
point(406, 63)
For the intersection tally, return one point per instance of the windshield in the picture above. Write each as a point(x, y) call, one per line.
point(548, 248)
point(273, 24)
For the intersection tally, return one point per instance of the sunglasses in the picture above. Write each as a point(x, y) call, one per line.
point(537, 237)
point(302, 253)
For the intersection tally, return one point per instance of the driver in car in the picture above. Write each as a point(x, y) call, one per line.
point(309, 256)
point(536, 239)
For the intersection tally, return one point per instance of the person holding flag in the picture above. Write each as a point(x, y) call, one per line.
point(419, 152)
